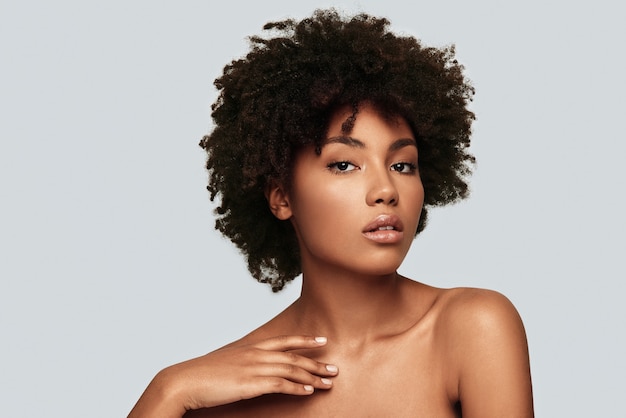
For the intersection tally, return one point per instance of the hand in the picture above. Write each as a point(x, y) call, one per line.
point(236, 372)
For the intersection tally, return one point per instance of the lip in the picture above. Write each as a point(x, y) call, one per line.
point(373, 231)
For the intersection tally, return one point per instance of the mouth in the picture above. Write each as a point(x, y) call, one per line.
point(384, 229)
point(384, 223)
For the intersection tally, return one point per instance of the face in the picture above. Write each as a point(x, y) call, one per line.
point(356, 206)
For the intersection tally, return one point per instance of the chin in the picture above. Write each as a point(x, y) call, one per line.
point(378, 269)
point(381, 266)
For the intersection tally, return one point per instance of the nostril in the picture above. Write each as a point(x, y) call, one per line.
point(381, 200)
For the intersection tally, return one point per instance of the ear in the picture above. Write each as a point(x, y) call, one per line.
point(278, 201)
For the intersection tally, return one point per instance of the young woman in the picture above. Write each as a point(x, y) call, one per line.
point(331, 140)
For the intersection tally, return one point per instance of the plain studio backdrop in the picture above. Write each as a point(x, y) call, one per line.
point(110, 267)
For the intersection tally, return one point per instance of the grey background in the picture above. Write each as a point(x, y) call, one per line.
point(109, 265)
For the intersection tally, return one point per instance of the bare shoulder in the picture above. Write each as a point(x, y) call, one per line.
point(478, 323)
point(487, 348)
point(482, 309)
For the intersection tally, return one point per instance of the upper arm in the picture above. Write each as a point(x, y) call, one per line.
point(491, 355)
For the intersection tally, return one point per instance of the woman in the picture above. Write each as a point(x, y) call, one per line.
point(331, 140)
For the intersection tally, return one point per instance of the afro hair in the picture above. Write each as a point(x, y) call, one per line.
point(280, 97)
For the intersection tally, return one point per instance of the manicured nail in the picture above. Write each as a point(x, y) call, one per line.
point(327, 381)
point(308, 388)
point(320, 340)
point(331, 368)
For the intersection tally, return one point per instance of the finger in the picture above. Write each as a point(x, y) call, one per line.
point(291, 342)
point(285, 386)
point(294, 374)
point(297, 360)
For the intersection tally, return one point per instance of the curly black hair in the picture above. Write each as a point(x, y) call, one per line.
point(280, 97)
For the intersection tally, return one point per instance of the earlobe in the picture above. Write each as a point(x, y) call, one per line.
point(278, 201)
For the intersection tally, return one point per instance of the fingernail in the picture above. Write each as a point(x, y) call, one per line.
point(331, 368)
point(320, 340)
point(327, 381)
point(308, 388)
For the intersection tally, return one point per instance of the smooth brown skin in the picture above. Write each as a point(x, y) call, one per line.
point(402, 348)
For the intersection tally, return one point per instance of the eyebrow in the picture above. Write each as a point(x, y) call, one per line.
point(346, 140)
point(401, 143)
point(355, 143)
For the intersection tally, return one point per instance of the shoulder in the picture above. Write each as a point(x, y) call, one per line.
point(479, 322)
point(478, 309)
point(461, 318)
point(460, 313)
point(486, 345)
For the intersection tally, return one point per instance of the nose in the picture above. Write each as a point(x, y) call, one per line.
point(382, 191)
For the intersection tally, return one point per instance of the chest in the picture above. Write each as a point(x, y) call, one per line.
point(397, 379)
point(400, 378)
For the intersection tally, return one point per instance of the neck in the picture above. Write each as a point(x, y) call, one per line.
point(346, 306)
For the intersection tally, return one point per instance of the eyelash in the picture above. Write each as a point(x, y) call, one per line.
point(412, 167)
point(333, 167)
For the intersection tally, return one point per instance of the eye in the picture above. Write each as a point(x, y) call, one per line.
point(341, 167)
point(404, 168)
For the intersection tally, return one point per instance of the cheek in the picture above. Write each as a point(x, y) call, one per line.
point(419, 195)
point(327, 200)
point(324, 208)
point(411, 189)
point(414, 202)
